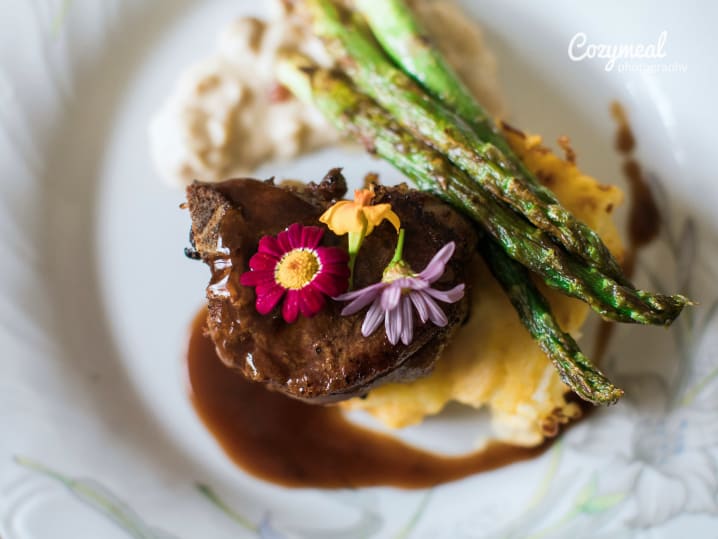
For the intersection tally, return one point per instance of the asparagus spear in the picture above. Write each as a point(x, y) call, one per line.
point(429, 170)
point(574, 368)
point(402, 36)
point(353, 112)
point(351, 43)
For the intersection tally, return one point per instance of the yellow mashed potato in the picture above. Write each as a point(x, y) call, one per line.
point(492, 360)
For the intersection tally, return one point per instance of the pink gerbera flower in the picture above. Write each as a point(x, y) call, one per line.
point(401, 291)
point(293, 264)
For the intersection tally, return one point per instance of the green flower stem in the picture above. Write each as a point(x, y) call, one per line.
point(354, 242)
point(397, 268)
point(399, 251)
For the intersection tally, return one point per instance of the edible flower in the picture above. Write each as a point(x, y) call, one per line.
point(293, 264)
point(392, 298)
point(358, 218)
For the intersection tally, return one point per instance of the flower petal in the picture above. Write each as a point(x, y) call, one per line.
point(413, 283)
point(283, 241)
point(373, 318)
point(363, 197)
point(393, 321)
point(376, 214)
point(332, 255)
point(330, 284)
point(390, 297)
point(328, 216)
point(420, 305)
point(337, 270)
point(266, 287)
point(290, 309)
point(361, 298)
point(311, 236)
point(407, 330)
point(437, 266)
point(436, 314)
point(263, 262)
point(254, 278)
point(267, 301)
point(376, 287)
point(269, 245)
point(447, 296)
point(311, 301)
point(294, 235)
point(343, 217)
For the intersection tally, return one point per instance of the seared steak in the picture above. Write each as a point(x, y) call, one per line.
point(324, 358)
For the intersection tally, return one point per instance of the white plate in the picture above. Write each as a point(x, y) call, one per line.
point(96, 294)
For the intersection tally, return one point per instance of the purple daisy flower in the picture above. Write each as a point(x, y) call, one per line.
point(392, 298)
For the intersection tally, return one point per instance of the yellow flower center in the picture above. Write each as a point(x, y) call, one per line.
point(297, 269)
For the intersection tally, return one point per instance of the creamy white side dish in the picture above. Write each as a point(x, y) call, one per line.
point(227, 115)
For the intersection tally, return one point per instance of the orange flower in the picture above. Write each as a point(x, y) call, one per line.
point(358, 216)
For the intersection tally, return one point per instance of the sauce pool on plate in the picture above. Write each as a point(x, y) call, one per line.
point(295, 444)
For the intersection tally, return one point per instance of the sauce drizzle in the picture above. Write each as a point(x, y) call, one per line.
point(295, 444)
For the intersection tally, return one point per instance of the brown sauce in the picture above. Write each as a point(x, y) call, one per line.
point(625, 142)
point(295, 444)
point(644, 218)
